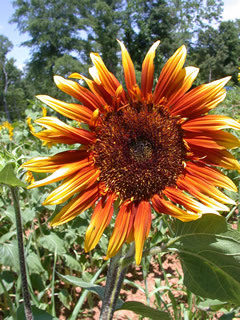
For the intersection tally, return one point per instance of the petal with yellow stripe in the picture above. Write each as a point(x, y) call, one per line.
point(77, 205)
point(167, 80)
point(100, 219)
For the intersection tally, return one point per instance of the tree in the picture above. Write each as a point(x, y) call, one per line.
point(5, 47)
point(216, 51)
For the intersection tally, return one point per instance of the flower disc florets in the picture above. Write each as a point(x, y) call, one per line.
point(139, 151)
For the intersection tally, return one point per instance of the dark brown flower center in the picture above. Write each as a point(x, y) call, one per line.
point(139, 151)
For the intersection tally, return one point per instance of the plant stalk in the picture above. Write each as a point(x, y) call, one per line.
point(115, 277)
point(25, 292)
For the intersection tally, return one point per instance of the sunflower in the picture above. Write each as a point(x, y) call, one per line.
point(139, 149)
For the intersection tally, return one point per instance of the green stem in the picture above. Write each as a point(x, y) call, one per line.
point(25, 292)
point(115, 277)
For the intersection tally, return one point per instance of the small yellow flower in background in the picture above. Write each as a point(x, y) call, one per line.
point(9, 127)
point(239, 75)
point(44, 111)
point(149, 148)
point(29, 177)
point(29, 122)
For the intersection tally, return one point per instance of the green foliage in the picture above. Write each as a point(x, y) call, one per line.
point(216, 51)
point(209, 252)
point(144, 310)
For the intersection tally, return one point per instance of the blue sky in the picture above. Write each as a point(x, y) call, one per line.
point(21, 54)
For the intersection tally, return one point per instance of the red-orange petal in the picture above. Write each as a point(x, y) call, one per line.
point(100, 219)
point(221, 158)
point(183, 82)
point(186, 185)
point(178, 197)
point(129, 72)
point(51, 164)
point(61, 173)
point(80, 93)
point(214, 139)
point(59, 132)
point(107, 79)
point(121, 229)
point(142, 224)
point(166, 207)
point(167, 80)
point(148, 70)
point(212, 175)
point(77, 205)
point(72, 185)
point(210, 122)
point(194, 102)
point(70, 110)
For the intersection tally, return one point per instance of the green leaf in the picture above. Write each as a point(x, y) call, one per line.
point(65, 298)
point(34, 264)
point(144, 310)
point(7, 236)
point(7, 277)
point(53, 243)
point(83, 284)
point(210, 255)
point(7, 176)
point(72, 262)
point(38, 314)
point(9, 255)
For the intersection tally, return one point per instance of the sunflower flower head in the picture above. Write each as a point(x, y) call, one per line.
point(145, 148)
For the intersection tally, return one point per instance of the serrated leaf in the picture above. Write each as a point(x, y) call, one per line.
point(7, 176)
point(65, 298)
point(38, 314)
point(72, 263)
point(209, 251)
point(53, 243)
point(9, 255)
point(144, 310)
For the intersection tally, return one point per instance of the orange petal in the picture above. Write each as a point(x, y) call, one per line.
point(70, 110)
point(185, 184)
point(183, 82)
point(166, 207)
point(213, 176)
point(77, 205)
point(107, 79)
point(72, 185)
point(169, 75)
point(100, 219)
point(177, 196)
point(215, 139)
point(148, 70)
point(221, 158)
point(80, 93)
point(96, 88)
point(73, 158)
point(196, 99)
point(128, 67)
point(121, 229)
point(61, 173)
point(210, 122)
point(206, 188)
point(59, 132)
point(142, 224)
